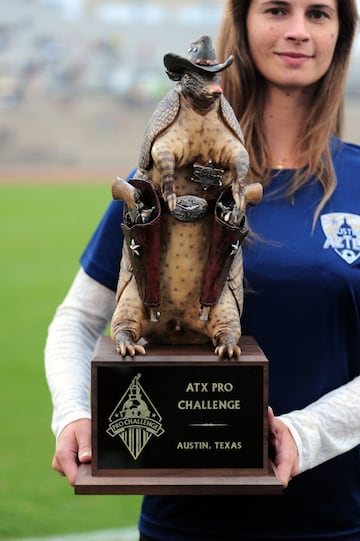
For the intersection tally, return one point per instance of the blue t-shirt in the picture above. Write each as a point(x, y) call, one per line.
point(302, 305)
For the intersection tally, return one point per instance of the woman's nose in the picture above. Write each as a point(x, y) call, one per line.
point(297, 29)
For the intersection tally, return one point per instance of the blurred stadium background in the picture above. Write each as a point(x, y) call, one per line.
point(79, 79)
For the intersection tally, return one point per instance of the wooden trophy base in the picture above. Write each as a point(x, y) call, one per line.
point(181, 484)
point(179, 421)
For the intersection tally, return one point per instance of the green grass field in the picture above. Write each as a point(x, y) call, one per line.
point(43, 232)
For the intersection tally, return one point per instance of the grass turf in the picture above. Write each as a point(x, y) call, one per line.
point(43, 231)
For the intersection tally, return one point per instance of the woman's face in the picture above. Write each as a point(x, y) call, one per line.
point(292, 42)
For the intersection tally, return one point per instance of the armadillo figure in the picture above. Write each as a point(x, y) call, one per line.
point(181, 274)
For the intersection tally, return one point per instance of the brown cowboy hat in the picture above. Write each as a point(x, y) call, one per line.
point(201, 58)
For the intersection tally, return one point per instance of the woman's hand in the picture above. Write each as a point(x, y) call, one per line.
point(73, 447)
point(283, 450)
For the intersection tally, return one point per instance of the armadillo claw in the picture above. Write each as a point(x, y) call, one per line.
point(228, 350)
point(171, 201)
point(167, 189)
point(251, 194)
point(239, 197)
point(125, 345)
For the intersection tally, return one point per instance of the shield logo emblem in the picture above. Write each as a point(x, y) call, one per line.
point(342, 232)
point(135, 419)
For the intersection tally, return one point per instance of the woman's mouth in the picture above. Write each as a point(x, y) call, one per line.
point(294, 59)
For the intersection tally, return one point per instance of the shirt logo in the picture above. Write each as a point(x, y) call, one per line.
point(342, 232)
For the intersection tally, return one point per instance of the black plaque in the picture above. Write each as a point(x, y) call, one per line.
point(179, 420)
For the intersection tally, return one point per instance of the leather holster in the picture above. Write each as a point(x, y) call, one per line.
point(143, 241)
point(225, 240)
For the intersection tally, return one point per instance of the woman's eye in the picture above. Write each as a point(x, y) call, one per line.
point(276, 11)
point(318, 14)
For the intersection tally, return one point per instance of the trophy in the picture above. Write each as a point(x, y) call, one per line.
point(179, 397)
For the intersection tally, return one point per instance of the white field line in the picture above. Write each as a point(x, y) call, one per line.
point(123, 534)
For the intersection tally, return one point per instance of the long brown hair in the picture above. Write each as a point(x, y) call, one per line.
point(243, 86)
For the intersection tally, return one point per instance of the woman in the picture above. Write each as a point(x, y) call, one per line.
point(303, 272)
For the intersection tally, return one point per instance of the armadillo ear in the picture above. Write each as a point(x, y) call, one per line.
point(173, 76)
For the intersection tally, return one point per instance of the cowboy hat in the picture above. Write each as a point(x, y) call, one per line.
point(201, 58)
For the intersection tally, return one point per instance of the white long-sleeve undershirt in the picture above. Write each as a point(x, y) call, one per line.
point(328, 427)
point(78, 322)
